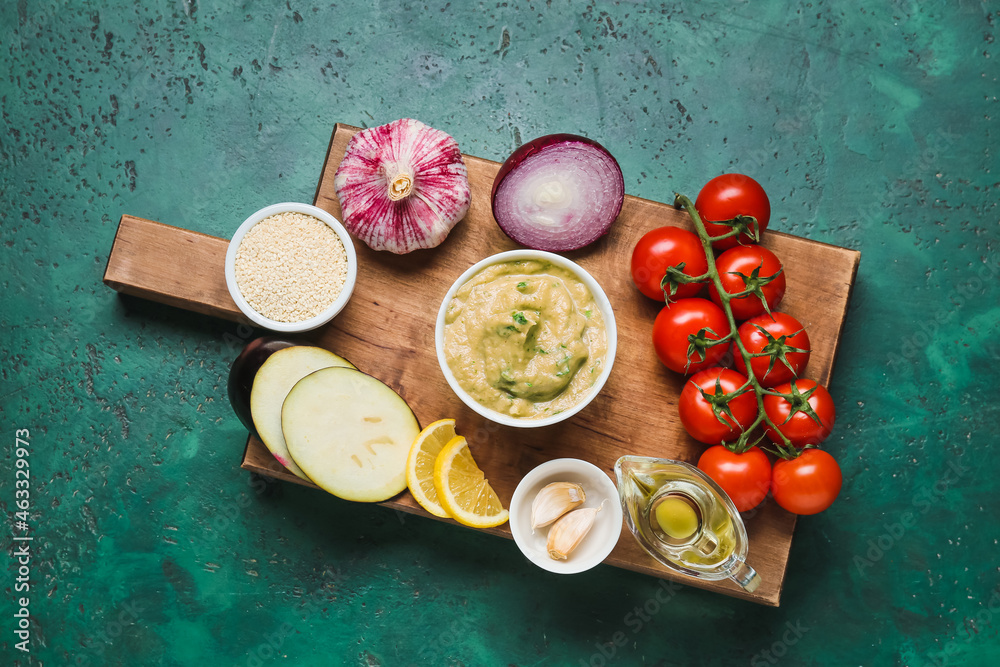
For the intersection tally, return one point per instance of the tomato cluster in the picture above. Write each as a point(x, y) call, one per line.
point(738, 325)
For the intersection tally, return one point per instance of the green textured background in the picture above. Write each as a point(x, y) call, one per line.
point(871, 127)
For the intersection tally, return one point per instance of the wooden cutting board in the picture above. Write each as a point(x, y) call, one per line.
point(387, 330)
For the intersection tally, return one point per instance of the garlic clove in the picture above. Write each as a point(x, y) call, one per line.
point(566, 534)
point(402, 186)
point(553, 501)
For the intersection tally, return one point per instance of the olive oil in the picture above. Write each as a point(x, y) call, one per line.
point(684, 520)
point(713, 539)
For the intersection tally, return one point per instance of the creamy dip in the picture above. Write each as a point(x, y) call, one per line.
point(525, 338)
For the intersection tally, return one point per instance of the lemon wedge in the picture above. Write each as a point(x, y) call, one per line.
point(420, 464)
point(463, 489)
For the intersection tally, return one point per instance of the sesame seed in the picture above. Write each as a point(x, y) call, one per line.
point(290, 267)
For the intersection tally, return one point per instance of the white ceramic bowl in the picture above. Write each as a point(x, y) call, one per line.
point(600, 298)
point(601, 539)
point(312, 322)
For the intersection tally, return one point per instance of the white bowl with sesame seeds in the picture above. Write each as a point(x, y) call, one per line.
point(291, 267)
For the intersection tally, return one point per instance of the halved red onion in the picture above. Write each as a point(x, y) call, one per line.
point(559, 192)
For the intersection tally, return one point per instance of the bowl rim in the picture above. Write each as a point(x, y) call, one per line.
point(607, 310)
point(568, 470)
point(313, 322)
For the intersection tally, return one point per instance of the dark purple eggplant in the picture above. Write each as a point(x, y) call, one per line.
point(245, 368)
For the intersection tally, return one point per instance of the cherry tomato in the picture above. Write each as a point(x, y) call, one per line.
point(663, 247)
point(676, 335)
point(727, 196)
point(736, 272)
point(781, 334)
point(807, 484)
point(791, 418)
point(699, 418)
point(745, 477)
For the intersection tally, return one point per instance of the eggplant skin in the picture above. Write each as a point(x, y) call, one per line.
point(244, 369)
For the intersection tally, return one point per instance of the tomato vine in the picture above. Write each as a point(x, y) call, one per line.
point(741, 225)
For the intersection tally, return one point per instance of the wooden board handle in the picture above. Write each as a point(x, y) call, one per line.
point(171, 265)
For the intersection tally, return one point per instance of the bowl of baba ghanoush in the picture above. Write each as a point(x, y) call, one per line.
point(526, 338)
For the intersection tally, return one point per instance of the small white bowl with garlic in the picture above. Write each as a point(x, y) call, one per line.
point(596, 544)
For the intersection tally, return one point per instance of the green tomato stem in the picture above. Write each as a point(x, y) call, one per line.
point(725, 298)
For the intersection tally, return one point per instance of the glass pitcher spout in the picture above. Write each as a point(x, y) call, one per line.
point(683, 519)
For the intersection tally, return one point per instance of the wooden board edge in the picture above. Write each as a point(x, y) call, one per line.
point(337, 127)
point(276, 471)
point(856, 260)
point(650, 568)
point(116, 286)
point(729, 590)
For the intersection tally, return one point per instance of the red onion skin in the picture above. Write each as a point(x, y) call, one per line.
point(537, 145)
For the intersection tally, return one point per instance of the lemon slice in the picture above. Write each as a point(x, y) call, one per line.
point(463, 489)
point(420, 464)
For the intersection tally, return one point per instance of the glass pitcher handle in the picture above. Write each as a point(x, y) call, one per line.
point(746, 577)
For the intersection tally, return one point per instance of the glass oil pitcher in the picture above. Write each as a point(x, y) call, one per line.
point(684, 519)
